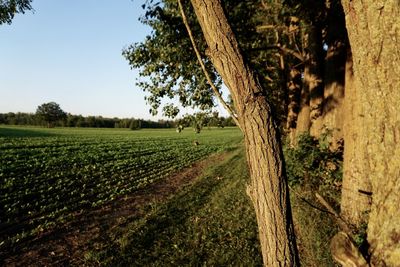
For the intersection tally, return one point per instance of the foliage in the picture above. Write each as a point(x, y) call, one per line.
point(50, 113)
point(311, 161)
point(44, 180)
point(8, 9)
point(19, 118)
point(168, 65)
point(208, 223)
point(360, 238)
point(312, 167)
point(167, 59)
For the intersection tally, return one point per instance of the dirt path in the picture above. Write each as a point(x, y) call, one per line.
point(67, 245)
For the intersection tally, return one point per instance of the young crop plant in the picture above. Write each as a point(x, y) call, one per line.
point(46, 179)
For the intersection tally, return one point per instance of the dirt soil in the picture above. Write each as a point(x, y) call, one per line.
point(67, 244)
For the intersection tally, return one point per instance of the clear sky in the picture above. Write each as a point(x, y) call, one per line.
point(69, 52)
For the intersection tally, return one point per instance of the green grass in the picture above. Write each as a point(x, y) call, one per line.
point(47, 174)
point(210, 223)
point(314, 230)
point(312, 167)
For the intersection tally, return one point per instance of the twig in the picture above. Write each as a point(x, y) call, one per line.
point(287, 50)
point(217, 93)
point(342, 223)
point(308, 202)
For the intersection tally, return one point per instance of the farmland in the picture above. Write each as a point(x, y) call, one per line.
point(47, 176)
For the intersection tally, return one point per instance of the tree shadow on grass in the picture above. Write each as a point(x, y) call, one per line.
point(153, 240)
point(23, 132)
point(177, 233)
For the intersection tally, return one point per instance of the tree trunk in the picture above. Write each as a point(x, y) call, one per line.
point(309, 119)
point(356, 187)
point(333, 115)
point(268, 187)
point(313, 77)
point(303, 119)
point(335, 68)
point(294, 90)
point(356, 199)
point(374, 34)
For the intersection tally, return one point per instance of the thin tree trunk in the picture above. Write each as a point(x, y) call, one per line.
point(374, 34)
point(303, 119)
point(333, 114)
point(294, 91)
point(268, 187)
point(334, 75)
point(313, 77)
point(309, 119)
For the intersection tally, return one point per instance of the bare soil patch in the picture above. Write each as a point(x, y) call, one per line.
point(67, 244)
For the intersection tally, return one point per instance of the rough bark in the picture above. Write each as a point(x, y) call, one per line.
point(268, 187)
point(356, 199)
point(374, 33)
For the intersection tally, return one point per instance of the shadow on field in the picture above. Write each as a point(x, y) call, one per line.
point(23, 132)
point(96, 230)
point(210, 223)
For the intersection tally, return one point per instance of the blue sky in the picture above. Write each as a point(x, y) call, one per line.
point(69, 51)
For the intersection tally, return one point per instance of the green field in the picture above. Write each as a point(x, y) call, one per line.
point(48, 175)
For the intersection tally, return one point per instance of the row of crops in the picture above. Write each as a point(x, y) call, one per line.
point(48, 175)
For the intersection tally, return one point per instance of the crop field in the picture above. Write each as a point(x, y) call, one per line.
point(48, 175)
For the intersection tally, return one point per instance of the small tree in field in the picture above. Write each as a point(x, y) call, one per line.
point(50, 113)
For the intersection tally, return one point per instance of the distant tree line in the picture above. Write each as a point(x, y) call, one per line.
point(71, 120)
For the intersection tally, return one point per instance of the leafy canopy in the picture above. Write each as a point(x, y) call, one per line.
point(50, 112)
point(8, 9)
point(167, 62)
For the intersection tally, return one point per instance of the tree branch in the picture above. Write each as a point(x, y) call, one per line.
point(262, 28)
point(342, 223)
point(203, 67)
point(286, 50)
point(342, 245)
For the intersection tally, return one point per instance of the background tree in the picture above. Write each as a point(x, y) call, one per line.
point(50, 113)
point(8, 9)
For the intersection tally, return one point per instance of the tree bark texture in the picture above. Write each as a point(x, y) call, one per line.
point(374, 33)
point(268, 187)
point(356, 187)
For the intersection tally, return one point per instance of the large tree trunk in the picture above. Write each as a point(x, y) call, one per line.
point(374, 34)
point(268, 187)
point(356, 187)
